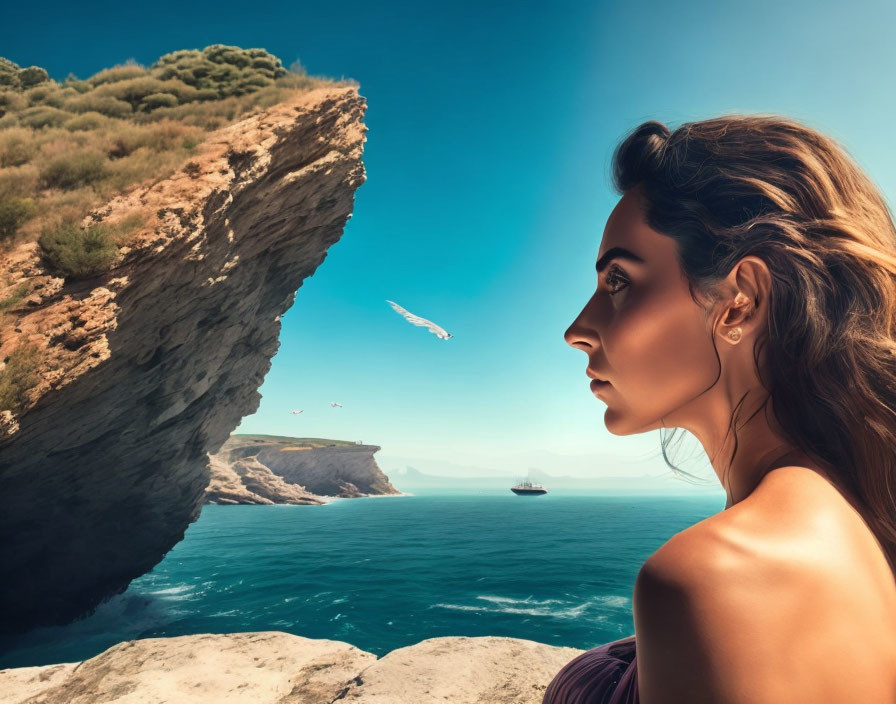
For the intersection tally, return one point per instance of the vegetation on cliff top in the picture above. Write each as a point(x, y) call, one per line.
point(67, 147)
point(307, 443)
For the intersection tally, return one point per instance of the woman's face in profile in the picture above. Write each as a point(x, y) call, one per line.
point(641, 330)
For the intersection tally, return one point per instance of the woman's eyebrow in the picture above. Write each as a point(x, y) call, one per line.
point(616, 253)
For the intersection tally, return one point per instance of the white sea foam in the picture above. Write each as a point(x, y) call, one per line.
point(173, 591)
point(527, 600)
point(383, 496)
point(544, 607)
point(225, 613)
point(557, 613)
point(617, 601)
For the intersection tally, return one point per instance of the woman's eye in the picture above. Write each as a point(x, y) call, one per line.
point(615, 281)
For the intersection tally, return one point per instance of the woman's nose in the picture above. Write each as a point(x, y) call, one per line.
point(580, 335)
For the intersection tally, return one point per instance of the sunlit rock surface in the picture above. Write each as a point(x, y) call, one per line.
point(271, 667)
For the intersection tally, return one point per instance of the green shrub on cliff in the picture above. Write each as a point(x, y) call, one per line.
point(86, 122)
point(33, 75)
point(116, 74)
point(227, 70)
point(107, 105)
point(134, 91)
point(16, 146)
point(18, 375)
point(14, 76)
point(74, 169)
point(75, 252)
point(43, 116)
point(13, 212)
point(158, 100)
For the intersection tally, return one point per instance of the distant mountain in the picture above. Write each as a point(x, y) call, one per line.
point(442, 467)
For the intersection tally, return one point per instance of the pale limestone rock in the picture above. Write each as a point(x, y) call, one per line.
point(250, 668)
point(247, 481)
point(271, 667)
point(19, 684)
point(262, 463)
point(462, 670)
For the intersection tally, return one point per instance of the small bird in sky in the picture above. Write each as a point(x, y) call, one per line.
point(335, 405)
point(295, 413)
point(417, 320)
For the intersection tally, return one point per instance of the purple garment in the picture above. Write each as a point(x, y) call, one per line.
point(607, 674)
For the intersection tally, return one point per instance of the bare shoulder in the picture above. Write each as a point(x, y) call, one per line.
point(771, 600)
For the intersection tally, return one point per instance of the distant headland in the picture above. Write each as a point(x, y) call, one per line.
point(273, 469)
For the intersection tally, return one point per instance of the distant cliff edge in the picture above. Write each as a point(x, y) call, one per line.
point(269, 469)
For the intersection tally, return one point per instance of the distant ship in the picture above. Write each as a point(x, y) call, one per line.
point(526, 488)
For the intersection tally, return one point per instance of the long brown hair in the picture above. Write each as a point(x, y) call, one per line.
point(768, 186)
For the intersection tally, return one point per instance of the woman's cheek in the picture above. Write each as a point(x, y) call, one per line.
point(640, 348)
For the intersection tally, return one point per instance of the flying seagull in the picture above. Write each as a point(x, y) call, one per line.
point(417, 320)
point(295, 413)
point(334, 404)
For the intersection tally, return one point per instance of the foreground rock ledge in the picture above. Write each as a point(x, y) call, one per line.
point(147, 369)
point(271, 667)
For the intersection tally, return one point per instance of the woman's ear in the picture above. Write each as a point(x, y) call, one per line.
point(748, 284)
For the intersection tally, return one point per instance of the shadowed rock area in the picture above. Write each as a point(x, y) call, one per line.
point(148, 368)
point(271, 667)
point(253, 469)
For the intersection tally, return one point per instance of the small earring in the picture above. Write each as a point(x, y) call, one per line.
point(734, 335)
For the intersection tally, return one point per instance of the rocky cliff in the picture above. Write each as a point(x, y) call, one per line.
point(147, 369)
point(271, 667)
point(275, 469)
point(248, 481)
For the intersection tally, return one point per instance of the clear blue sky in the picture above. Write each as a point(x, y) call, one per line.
point(490, 135)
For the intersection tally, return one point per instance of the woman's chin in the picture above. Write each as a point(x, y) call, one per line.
point(615, 422)
point(620, 423)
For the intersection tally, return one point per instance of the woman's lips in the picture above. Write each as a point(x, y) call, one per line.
point(597, 385)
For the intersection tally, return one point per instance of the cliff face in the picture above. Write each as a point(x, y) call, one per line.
point(340, 469)
point(248, 481)
point(147, 369)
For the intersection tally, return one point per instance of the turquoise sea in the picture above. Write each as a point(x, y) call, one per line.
point(386, 572)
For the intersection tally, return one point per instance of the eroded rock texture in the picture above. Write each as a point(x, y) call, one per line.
point(149, 368)
point(271, 667)
point(248, 481)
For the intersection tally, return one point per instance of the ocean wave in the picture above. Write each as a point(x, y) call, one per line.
point(544, 607)
point(174, 591)
point(225, 613)
point(509, 600)
point(617, 601)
